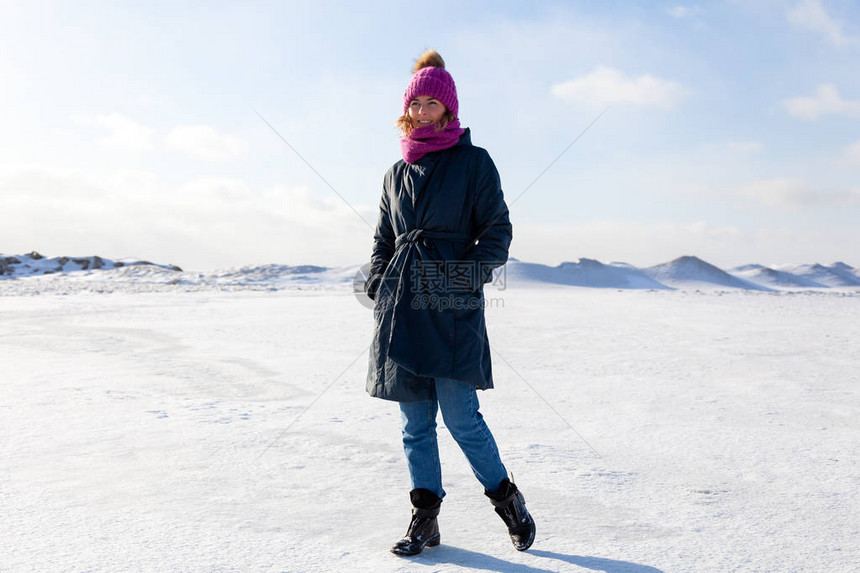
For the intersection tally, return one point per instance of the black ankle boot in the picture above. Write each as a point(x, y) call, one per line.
point(423, 529)
point(511, 507)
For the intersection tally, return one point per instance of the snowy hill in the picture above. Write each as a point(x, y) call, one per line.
point(33, 274)
point(845, 270)
point(35, 264)
point(773, 278)
point(835, 275)
point(586, 272)
point(284, 275)
point(693, 272)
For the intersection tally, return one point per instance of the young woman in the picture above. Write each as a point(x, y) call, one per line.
point(443, 227)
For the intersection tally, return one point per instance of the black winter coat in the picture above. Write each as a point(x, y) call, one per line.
point(443, 227)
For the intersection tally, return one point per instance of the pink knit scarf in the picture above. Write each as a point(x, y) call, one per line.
point(423, 140)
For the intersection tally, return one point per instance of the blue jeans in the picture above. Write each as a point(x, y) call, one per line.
point(459, 404)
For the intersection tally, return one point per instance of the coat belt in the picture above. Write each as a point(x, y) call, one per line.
point(416, 235)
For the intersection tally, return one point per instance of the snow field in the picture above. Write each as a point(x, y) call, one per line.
point(206, 431)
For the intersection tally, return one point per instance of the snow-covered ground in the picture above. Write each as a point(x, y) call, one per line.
point(199, 429)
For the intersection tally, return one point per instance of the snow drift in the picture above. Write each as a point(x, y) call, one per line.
point(34, 263)
point(834, 276)
point(33, 273)
point(586, 273)
point(691, 271)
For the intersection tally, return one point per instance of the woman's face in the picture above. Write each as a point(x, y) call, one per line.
point(425, 110)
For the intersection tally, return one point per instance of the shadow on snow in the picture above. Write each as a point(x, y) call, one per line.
point(481, 561)
point(597, 563)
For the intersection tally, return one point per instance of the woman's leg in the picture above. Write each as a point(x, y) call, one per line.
point(459, 404)
point(419, 442)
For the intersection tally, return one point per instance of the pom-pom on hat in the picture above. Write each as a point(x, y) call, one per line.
point(430, 78)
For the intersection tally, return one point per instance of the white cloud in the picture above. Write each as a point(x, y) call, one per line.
point(640, 244)
point(151, 99)
point(199, 224)
point(851, 155)
point(212, 223)
point(125, 133)
point(811, 14)
point(745, 146)
point(606, 86)
point(204, 142)
point(681, 12)
point(827, 100)
point(198, 141)
point(794, 194)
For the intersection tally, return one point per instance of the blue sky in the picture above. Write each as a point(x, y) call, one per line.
point(731, 129)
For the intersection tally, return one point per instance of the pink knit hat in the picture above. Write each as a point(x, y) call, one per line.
point(432, 79)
